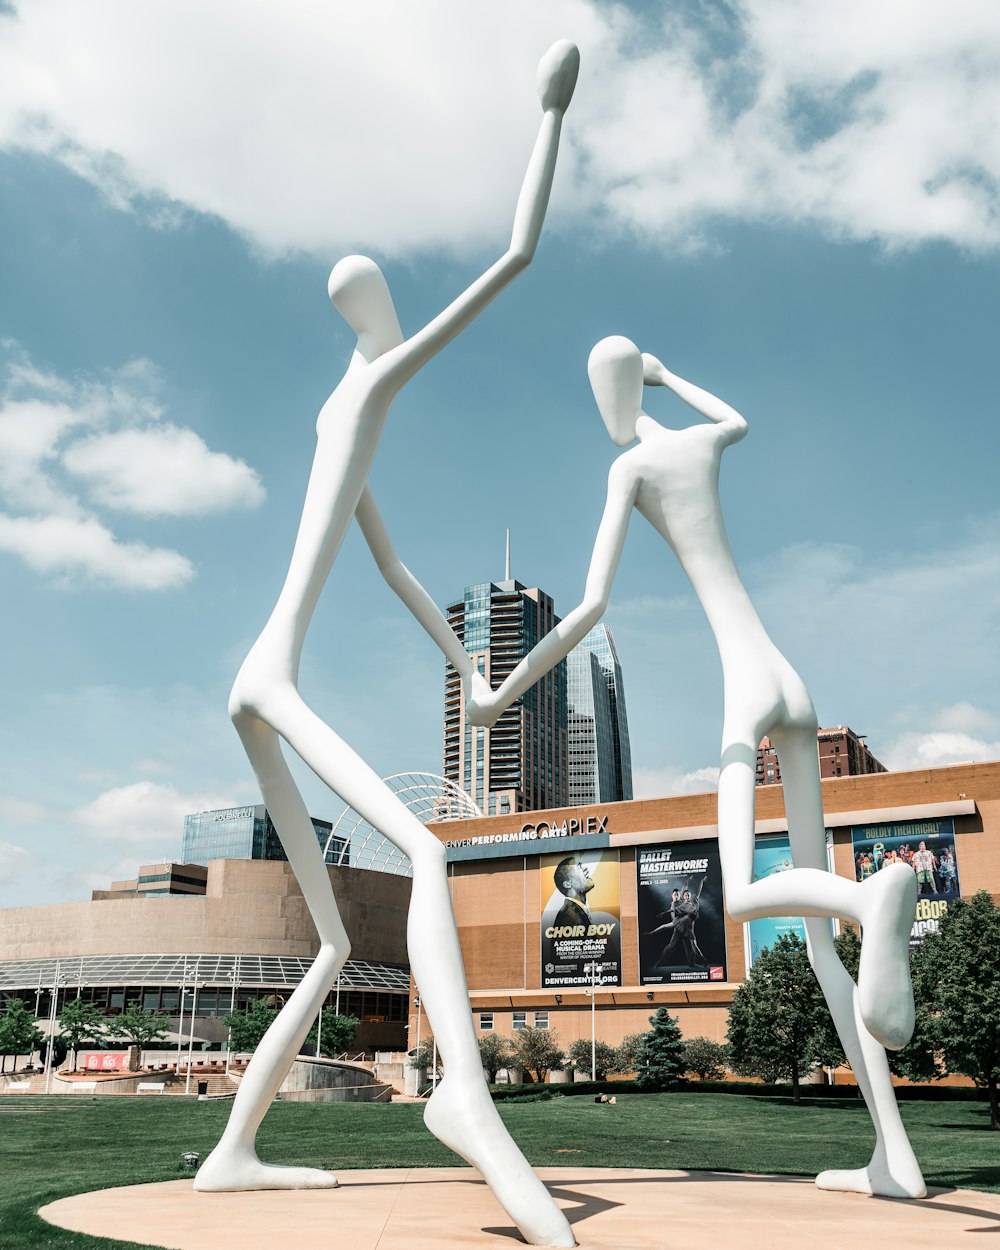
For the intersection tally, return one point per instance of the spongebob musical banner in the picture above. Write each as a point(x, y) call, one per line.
point(926, 846)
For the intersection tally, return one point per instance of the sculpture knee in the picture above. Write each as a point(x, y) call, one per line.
point(738, 903)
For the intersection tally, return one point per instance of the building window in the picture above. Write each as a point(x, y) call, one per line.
point(486, 1021)
point(541, 1019)
point(520, 1019)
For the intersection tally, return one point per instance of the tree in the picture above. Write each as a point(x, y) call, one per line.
point(19, 1035)
point(705, 1059)
point(338, 1033)
point(138, 1026)
point(778, 1019)
point(628, 1053)
point(247, 1028)
point(958, 974)
point(607, 1058)
point(495, 1052)
point(660, 1060)
point(918, 1060)
point(538, 1052)
point(80, 1023)
point(423, 1055)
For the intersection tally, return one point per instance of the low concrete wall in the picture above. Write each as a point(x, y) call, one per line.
point(330, 1080)
point(128, 1083)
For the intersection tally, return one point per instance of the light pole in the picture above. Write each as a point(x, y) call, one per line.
point(195, 987)
point(53, 1014)
point(593, 969)
point(416, 1003)
point(180, 1019)
point(235, 974)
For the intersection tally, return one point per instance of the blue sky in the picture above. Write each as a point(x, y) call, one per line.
point(793, 206)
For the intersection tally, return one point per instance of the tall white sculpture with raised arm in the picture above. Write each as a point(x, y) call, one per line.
point(268, 709)
point(672, 478)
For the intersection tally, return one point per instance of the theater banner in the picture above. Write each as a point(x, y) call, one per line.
point(928, 847)
point(682, 931)
point(580, 918)
point(770, 855)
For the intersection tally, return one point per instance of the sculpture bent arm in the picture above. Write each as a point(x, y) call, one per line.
point(557, 73)
point(412, 593)
point(560, 641)
point(732, 426)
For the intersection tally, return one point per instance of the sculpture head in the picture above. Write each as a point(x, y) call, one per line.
point(615, 368)
point(359, 292)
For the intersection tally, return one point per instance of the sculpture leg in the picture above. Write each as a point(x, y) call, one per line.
point(461, 1112)
point(234, 1163)
point(893, 1170)
point(883, 905)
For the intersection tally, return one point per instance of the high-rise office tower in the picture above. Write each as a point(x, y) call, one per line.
point(600, 758)
point(521, 763)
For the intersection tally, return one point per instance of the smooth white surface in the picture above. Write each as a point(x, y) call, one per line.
point(267, 710)
point(672, 478)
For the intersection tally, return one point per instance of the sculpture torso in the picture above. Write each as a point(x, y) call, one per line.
point(347, 434)
point(677, 475)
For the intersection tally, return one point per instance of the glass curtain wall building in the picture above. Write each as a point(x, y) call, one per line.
point(521, 764)
point(600, 757)
point(242, 833)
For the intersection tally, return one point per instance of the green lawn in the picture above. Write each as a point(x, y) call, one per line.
point(79, 1144)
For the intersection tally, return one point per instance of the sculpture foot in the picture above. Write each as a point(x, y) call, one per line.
point(462, 1116)
point(875, 1180)
point(229, 1171)
point(885, 994)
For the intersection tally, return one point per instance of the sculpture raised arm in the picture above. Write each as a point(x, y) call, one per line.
point(557, 73)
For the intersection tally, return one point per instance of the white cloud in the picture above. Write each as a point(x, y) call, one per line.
point(654, 783)
point(937, 748)
point(162, 471)
point(107, 433)
point(15, 862)
point(67, 546)
point(145, 814)
point(303, 126)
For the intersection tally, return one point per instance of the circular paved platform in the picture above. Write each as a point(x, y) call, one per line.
point(609, 1208)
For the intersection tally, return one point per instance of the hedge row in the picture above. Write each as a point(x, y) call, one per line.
point(905, 1093)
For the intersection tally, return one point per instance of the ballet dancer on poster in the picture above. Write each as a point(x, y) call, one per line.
point(672, 478)
point(267, 710)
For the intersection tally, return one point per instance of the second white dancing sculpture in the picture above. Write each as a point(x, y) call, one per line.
point(672, 478)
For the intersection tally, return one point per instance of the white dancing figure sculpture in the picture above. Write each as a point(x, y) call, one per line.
point(268, 709)
point(672, 478)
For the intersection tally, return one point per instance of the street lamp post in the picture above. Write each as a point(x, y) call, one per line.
point(195, 987)
point(593, 969)
point(180, 1020)
point(53, 1014)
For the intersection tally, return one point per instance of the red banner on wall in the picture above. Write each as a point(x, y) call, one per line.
point(107, 1061)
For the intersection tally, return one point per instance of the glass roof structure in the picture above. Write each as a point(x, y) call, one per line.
point(428, 796)
point(265, 971)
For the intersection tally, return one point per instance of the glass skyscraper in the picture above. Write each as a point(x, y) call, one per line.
point(240, 833)
point(521, 763)
point(600, 757)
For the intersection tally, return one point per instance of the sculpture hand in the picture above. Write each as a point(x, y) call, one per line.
point(480, 704)
point(652, 371)
point(556, 78)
